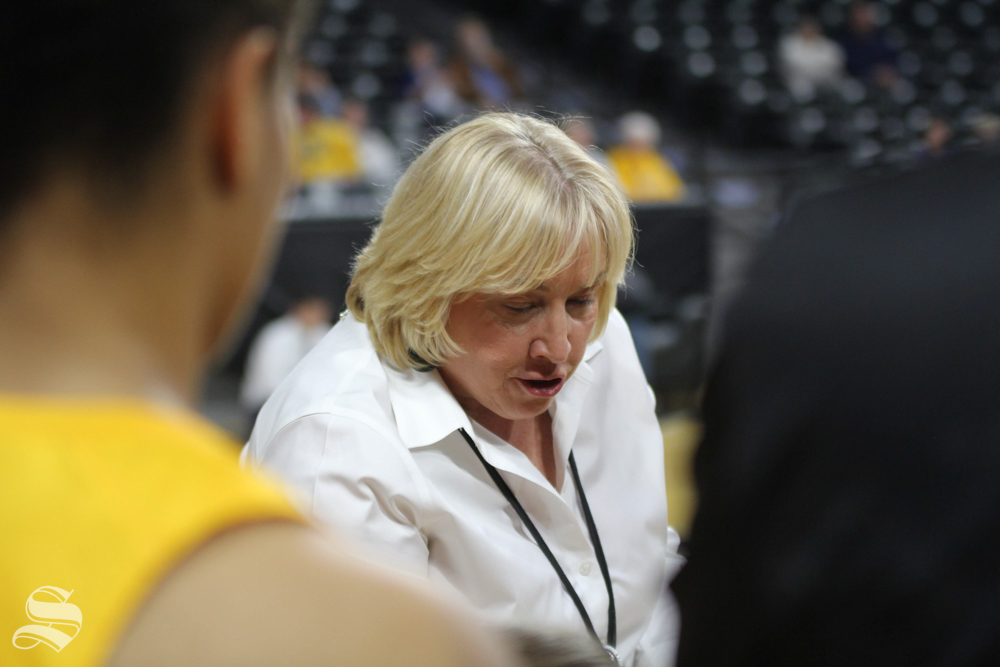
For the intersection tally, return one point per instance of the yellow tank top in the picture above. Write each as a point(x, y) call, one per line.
point(98, 501)
point(326, 149)
point(645, 175)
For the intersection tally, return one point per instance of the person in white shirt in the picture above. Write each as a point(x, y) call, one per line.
point(280, 345)
point(811, 61)
point(480, 413)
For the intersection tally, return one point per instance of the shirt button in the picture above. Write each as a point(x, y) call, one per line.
point(585, 568)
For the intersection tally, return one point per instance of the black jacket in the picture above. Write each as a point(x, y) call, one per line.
point(850, 471)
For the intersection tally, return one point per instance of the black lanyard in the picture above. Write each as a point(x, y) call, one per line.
point(595, 539)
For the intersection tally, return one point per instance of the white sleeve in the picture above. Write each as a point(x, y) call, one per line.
point(658, 646)
point(350, 476)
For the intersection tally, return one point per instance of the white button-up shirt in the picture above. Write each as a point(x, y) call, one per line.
point(376, 452)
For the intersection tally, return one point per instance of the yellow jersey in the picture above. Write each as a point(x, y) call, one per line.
point(325, 149)
point(98, 502)
point(645, 175)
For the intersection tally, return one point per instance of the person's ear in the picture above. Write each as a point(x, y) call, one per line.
point(242, 107)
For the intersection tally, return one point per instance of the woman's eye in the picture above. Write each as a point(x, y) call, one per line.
point(582, 301)
point(518, 308)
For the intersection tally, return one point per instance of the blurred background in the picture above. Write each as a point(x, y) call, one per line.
point(714, 115)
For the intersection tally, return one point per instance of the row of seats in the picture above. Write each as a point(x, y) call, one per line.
point(713, 64)
point(363, 49)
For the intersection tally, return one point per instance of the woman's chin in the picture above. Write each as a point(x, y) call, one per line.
point(528, 409)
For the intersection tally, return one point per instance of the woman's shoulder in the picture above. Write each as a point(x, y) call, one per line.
point(617, 363)
point(342, 382)
point(616, 334)
point(324, 453)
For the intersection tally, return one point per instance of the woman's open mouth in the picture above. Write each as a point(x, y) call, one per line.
point(543, 388)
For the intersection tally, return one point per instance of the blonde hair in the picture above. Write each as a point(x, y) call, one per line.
point(553, 648)
point(497, 205)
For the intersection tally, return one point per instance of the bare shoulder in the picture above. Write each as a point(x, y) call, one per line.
point(280, 593)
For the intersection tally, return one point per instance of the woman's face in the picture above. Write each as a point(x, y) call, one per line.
point(520, 349)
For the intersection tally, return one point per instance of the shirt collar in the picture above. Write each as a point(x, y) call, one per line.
point(426, 412)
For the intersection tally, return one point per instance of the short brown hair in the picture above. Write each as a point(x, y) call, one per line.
point(102, 82)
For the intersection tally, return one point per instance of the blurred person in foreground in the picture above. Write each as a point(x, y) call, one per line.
point(810, 61)
point(644, 173)
point(869, 56)
point(849, 508)
point(480, 413)
point(136, 205)
point(279, 346)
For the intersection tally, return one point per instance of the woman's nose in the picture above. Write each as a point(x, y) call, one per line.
point(552, 342)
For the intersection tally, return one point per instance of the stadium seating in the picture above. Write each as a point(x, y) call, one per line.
point(712, 63)
point(363, 49)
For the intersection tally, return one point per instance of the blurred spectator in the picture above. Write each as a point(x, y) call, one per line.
point(325, 149)
point(645, 175)
point(937, 139)
point(811, 61)
point(315, 82)
point(279, 346)
point(430, 85)
point(378, 159)
point(869, 56)
point(986, 129)
point(581, 130)
point(483, 76)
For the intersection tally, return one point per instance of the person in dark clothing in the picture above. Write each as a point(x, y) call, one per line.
point(869, 56)
point(850, 471)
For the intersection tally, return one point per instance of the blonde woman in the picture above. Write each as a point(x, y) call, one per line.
point(480, 412)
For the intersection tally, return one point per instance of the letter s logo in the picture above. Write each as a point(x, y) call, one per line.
point(52, 619)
